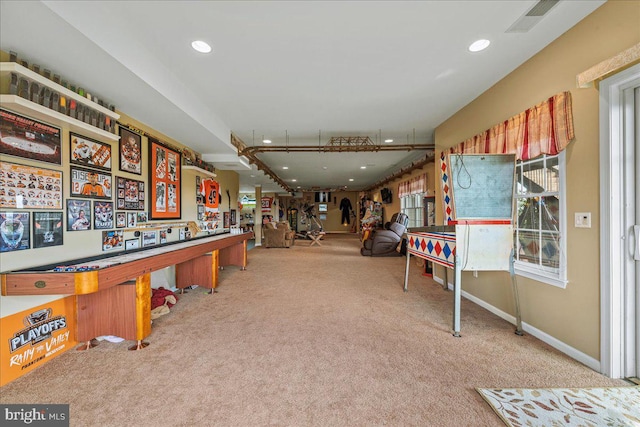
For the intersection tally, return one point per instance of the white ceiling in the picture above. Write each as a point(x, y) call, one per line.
point(295, 72)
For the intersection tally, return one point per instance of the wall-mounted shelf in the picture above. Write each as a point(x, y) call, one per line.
point(199, 170)
point(28, 108)
point(13, 67)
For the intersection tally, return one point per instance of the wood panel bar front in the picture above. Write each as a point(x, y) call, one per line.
point(109, 312)
point(201, 271)
point(234, 254)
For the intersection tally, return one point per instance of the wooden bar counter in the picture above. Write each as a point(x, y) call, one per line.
point(114, 297)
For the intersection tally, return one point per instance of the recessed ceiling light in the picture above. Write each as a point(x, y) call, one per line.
point(479, 45)
point(324, 167)
point(266, 141)
point(298, 186)
point(350, 179)
point(285, 167)
point(200, 46)
point(252, 176)
point(388, 140)
point(363, 167)
point(294, 180)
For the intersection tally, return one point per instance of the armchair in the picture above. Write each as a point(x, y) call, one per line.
point(278, 235)
point(384, 242)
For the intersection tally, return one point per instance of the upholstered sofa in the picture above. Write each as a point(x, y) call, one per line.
point(278, 235)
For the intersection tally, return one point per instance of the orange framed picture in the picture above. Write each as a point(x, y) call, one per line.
point(164, 176)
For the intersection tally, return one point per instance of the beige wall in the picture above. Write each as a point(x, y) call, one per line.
point(570, 315)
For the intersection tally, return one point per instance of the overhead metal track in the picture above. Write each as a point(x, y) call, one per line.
point(241, 147)
point(334, 148)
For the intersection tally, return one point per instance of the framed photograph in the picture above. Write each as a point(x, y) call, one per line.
point(29, 139)
point(149, 238)
point(90, 183)
point(78, 215)
point(129, 194)
point(132, 219)
point(130, 151)
point(163, 236)
point(26, 187)
point(142, 217)
point(88, 152)
point(322, 196)
point(102, 215)
point(47, 229)
point(164, 176)
point(233, 217)
point(121, 219)
point(131, 244)
point(226, 219)
point(14, 231)
point(112, 240)
point(200, 212)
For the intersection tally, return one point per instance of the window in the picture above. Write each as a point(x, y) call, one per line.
point(412, 206)
point(539, 229)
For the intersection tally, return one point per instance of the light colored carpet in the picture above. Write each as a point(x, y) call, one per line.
point(588, 407)
point(306, 336)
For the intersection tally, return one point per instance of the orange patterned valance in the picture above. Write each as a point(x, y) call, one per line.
point(546, 128)
point(414, 185)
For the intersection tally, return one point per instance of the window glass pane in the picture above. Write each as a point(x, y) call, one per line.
point(550, 249)
point(552, 174)
point(528, 213)
point(533, 177)
point(411, 205)
point(528, 246)
point(520, 187)
point(549, 213)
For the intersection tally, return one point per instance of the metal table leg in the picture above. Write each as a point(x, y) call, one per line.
point(406, 272)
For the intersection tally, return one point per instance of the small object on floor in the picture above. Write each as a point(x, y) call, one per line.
point(110, 338)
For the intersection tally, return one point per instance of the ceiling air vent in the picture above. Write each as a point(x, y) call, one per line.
point(534, 15)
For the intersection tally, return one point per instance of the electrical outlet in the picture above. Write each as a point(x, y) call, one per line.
point(583, 219)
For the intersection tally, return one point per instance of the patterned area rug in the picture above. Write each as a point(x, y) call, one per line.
point(590, 407)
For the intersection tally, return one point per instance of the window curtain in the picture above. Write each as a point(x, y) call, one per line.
point(414, 185)
point(546, 128)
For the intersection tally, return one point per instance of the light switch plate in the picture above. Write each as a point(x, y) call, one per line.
point(583, 220)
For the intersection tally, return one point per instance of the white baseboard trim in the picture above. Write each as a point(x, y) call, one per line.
point(541, 335)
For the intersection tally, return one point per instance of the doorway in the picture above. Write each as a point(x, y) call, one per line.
point(620, 223)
